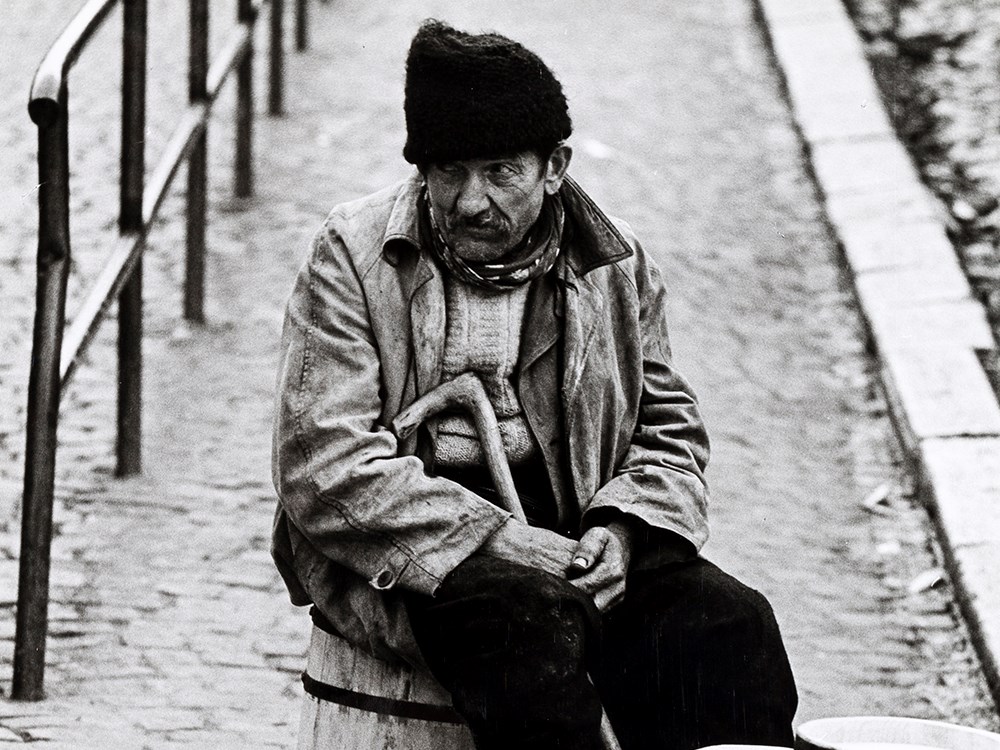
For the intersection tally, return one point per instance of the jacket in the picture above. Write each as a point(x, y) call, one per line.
point(359, 521)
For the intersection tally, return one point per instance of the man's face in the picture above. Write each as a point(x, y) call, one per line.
point(484, 207)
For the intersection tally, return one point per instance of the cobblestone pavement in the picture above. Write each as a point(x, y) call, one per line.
point(26, 32)
point(170, 626)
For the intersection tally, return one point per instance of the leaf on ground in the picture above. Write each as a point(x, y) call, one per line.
point(927, 580)
point(877, 500)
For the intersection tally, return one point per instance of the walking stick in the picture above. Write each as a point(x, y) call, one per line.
point(467, 392)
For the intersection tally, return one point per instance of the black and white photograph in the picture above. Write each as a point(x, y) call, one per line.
point(554, 375)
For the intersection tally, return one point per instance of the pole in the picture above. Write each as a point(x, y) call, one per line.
point(197, 170)
point(301, 25)
point(243, 182)
point(133, 164)
point(276, 92)
point(31, 627)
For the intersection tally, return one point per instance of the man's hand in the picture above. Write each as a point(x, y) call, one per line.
point(600, 563)
point(528, 545)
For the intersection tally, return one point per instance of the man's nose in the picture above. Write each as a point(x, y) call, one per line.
point(472, 197)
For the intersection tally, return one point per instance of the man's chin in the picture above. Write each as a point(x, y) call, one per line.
point(479, 250)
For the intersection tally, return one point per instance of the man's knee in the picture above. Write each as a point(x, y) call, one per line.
point(491, 602)
point(700, 595)
point(727, 601)
point(509, 642)
point(506, 582)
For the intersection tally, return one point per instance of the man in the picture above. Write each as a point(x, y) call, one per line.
point(490, 259)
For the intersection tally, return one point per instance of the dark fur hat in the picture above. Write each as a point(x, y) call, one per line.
point(478, 96)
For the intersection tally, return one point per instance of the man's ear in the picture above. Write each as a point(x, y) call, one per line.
point(555, 168)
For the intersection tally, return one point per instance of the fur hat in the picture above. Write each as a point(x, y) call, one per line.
point(478, 96)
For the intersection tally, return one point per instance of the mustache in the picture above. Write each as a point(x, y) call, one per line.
point(485, 220)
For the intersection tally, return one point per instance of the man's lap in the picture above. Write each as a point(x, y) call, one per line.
point(693, 591)
point(674, 659)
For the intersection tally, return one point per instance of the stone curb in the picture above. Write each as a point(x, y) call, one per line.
point(923, 322)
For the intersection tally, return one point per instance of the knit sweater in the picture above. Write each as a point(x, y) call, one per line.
point(483, 335)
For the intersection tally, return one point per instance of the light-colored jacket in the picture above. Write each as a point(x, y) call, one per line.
point(358, 518)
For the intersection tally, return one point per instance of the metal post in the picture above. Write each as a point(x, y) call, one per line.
point(301, 25)
point(243, 182)
point(276, 92)
point(130, 220)
point(194, 281)
point(43, 406)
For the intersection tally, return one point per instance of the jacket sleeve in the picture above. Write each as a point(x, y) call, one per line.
point(660, 480)
point(336, 469)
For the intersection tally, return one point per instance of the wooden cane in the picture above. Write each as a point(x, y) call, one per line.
point(466, 392)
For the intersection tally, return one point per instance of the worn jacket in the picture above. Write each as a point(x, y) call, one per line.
point(359, 519)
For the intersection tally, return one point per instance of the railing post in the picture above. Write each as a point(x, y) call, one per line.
point(243, 182)
point(133, 166)
point(43, 406)
point(194, 280)
point(276, 92)
point(301, 25)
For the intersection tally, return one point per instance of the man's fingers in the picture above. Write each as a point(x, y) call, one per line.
point(604, 599)
point(609, 595)
point(602, 575)
point(599, 569)
point(590, 548)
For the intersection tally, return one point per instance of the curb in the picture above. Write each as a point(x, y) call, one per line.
point(923, 323)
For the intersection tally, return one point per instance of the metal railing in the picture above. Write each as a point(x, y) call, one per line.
point(56, 350)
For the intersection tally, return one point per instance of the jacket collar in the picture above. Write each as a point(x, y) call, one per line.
point(403, 226)
point(592, 241)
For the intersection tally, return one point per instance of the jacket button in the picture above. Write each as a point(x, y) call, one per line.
point(384, 579)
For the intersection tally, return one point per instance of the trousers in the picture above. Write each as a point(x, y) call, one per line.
point(691, 657)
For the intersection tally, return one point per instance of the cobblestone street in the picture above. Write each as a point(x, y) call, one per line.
point(170, 626)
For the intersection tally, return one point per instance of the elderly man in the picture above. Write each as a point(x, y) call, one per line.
point(490, 259)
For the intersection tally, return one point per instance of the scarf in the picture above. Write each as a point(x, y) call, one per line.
point(532, 257)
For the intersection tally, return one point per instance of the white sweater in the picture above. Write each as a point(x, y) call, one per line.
point(483, 335)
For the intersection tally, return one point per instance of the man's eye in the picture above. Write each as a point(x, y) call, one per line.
point(502, 171)
point(449, 169)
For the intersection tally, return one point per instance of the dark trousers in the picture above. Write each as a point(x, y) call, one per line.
point(691, 657)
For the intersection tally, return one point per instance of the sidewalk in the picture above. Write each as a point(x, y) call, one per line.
point(926, 328)
point(169, 624)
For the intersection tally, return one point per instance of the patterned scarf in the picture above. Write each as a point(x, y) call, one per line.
point(532, 257)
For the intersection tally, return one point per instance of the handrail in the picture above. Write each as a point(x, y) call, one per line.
point(229, 57)
point(56, 348)
point(50, 78)
point(107, 286)
point(121, 262)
